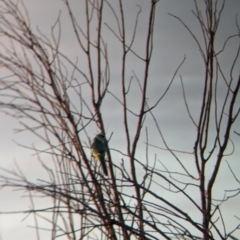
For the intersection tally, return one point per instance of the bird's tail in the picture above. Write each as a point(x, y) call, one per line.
point(104, 166)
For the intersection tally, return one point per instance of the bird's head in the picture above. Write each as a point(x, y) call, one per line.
point(101, 137)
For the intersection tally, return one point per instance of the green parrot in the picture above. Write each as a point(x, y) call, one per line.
point(98, 149)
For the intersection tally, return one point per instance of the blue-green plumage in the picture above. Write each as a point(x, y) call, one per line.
point(98, 149)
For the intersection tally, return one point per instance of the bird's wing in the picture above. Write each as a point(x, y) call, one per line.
point(98, 145)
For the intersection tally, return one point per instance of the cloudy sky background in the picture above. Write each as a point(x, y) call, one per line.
point(171, 43)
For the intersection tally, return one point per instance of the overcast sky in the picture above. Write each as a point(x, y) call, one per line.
point(172, 43)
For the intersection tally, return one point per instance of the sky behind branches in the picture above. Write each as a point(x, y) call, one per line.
point(172, 44)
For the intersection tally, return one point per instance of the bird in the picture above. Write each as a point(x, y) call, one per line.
point(98, 149)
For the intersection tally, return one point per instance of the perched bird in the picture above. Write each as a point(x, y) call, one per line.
point(98, 150)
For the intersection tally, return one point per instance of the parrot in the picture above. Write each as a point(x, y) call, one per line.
point(98, 150)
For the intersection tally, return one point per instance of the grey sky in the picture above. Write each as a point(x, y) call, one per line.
point(171, 43)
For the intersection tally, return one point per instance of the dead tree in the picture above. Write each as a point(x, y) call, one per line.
point(60, 100)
